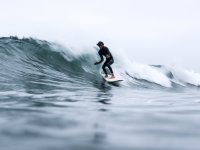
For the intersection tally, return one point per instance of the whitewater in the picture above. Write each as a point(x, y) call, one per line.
point(53, 97)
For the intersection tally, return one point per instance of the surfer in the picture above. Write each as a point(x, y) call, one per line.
point(104, 51)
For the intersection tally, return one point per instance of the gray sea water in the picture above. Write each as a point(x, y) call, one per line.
point(52, 100)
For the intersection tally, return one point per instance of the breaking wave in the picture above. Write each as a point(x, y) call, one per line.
point(28, 64)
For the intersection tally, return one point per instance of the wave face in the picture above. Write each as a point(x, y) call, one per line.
point(39, 65)
point(35, 65)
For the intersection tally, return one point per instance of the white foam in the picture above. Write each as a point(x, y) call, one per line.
point(142, 71)
point(186, 76)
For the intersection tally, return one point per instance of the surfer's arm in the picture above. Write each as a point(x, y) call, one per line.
point(101, 56)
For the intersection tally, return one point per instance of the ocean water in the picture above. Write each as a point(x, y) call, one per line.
point(53, 98)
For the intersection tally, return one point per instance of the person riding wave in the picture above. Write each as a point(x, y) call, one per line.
point(104, 51)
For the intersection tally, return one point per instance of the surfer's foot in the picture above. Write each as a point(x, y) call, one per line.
point(106, 76)
point(112, 77)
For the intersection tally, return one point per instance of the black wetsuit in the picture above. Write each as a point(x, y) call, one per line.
point(109, 59)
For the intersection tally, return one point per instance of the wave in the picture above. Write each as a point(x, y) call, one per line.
point(37, 64)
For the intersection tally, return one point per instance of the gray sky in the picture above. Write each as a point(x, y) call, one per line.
point(150, 31)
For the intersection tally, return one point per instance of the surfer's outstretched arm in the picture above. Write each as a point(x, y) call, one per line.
point(101, 56)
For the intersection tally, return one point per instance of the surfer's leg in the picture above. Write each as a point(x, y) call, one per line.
point(104, 69)
point(109, 63)
point(111, 71)
point(110, 68)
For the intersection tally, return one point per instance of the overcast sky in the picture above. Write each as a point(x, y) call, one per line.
point(150, 31)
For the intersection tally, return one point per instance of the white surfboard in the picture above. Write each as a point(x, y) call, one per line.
point(111, 80)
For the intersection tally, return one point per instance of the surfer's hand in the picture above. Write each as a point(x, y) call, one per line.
point(95, 63)
point(108, 56)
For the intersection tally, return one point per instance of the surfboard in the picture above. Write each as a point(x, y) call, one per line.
point(111, 80)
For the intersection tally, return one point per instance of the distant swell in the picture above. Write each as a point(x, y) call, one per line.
point(28, 64)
